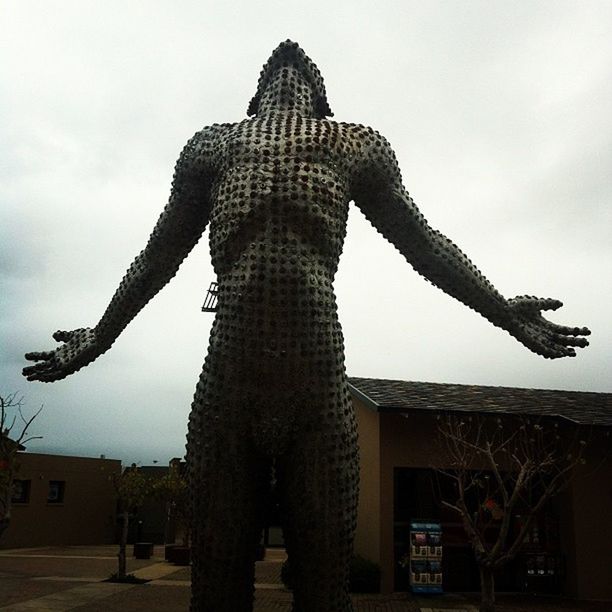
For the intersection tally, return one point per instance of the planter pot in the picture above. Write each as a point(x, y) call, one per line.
point(180, 555)
point(143, 550)
point(168, 552)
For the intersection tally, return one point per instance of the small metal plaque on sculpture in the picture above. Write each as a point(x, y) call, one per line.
point(275, 190)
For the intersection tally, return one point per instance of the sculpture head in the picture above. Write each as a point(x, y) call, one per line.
point(290, 80)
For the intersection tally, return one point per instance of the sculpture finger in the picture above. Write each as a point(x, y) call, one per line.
point(544, 343)
point(530, 303)
point(548, 304)
point(565, 330)
point(33, 377)
point(556, 351)
point(37, 375)
point(41, 377)
point(62, 336)
point(38, 356)
point(38, 367)
point(549, 352)
point(521, 302)
point(572, 341)
point(52, 376)
point(43, 366)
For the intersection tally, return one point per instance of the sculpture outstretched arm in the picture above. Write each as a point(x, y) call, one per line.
point(178, 229)
point(379, 193)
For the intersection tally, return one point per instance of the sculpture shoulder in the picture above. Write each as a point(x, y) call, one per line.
point(375, 162)
point(199, 158)
point(371, 143)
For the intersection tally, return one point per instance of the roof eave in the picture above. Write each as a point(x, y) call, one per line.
point(367, 400)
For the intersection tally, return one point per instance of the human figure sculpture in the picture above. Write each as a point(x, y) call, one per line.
point(275, 189)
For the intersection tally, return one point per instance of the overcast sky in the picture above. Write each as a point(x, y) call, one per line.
point(499, 113)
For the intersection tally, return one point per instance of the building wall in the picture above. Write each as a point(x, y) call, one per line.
point(591, 510)
point(85, 516)
point(564, 507)
point(411, 442)
point(367, 537)
point(386, 441)
point(405, 442)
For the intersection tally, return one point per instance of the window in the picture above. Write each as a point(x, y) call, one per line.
point(21, 491)
point(56, 492)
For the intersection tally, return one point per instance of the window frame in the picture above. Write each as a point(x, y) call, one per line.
point(26, 483)
point(61, 492)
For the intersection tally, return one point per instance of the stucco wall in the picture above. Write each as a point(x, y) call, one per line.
point(591, 503)
point(386, 441)
point(87, 513)
point(367, 537)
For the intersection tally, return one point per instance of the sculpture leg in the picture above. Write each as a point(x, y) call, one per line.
point(229, 483)
point(318, 480)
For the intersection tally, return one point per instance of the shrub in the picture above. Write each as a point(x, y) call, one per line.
point(128, 579)
point(364, 575)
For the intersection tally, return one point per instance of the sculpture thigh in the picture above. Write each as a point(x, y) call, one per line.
point(229, 456)
point(229, 483)
point(318, 480)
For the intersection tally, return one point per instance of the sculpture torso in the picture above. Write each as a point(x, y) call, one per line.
point(281, 190)
point(279, 201)
point(279, 205)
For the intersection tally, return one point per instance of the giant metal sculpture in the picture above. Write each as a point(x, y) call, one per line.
point(276, 189)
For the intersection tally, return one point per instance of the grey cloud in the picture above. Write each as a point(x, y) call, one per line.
point(499, 116)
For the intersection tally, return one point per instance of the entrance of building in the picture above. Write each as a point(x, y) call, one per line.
point(418, 495)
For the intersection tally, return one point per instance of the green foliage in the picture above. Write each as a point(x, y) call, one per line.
point(173, 489)
point(364, 575)
point(132, 489)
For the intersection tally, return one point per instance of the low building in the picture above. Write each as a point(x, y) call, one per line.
point(62, 500)
point(399, 448)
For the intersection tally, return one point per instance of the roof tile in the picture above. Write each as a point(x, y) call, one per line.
point(587, 408)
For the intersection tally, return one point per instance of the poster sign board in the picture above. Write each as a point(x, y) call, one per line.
point(425, 557)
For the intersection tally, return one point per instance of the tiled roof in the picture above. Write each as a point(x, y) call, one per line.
point(399, 396)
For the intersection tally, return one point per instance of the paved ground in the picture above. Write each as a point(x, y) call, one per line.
point(71, 578)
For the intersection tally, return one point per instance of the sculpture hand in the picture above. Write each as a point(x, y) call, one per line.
point(80, 348)
point(538, 334)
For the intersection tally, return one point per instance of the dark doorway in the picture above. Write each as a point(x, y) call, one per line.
point(538, 568)
point(416, 497)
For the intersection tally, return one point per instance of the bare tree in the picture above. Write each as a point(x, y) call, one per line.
point(132, 487)
point(499, 467)
point(13, 436)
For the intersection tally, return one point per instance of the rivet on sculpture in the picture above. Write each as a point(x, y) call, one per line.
point(275, 189)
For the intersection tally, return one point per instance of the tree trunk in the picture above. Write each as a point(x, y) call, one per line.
point(121, 573)
point(4, 523)
point(187, 536)
point(5, 503)
point(487, 589)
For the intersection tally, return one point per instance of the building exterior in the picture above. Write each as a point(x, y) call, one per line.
point(62, 500)
point(399, 447)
